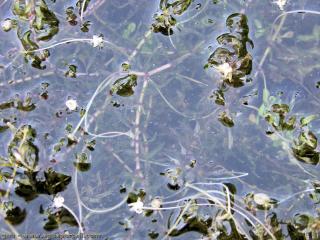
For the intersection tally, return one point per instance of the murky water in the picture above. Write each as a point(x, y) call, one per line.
point(160, 119)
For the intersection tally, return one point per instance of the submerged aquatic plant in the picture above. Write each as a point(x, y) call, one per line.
point(305, 148)
point(116, 145)
point(164, 23)
point(233, 65)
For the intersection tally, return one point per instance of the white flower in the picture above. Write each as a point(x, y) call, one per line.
point(226, 70)
point(97, 41)
point(71, 104)
point(71, 138)
point(6, 25)
point(136, 206)
point(156, 203)
point(58, 201)
point(281, 4)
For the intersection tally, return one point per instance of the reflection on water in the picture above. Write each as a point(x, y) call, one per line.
point(141, 119)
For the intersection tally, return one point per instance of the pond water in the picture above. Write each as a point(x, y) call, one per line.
point(162, 119)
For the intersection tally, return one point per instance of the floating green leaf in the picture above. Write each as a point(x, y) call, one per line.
point(232, 60)
point(225, 119)
point(164, 23)
point(71, 16)
point(15, 215)
point(124, 86)
point(82, 163)
point(59, 217)
point(29, 187)
point(218, 96)
point(304, 121)
point(21, 149)
point(304, 148)
point(45, 23)
point(72, 71)
point(277, 117)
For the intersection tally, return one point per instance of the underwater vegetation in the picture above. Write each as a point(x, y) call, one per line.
point(168, 119)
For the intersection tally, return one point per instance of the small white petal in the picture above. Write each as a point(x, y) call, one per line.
point(71, 104)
